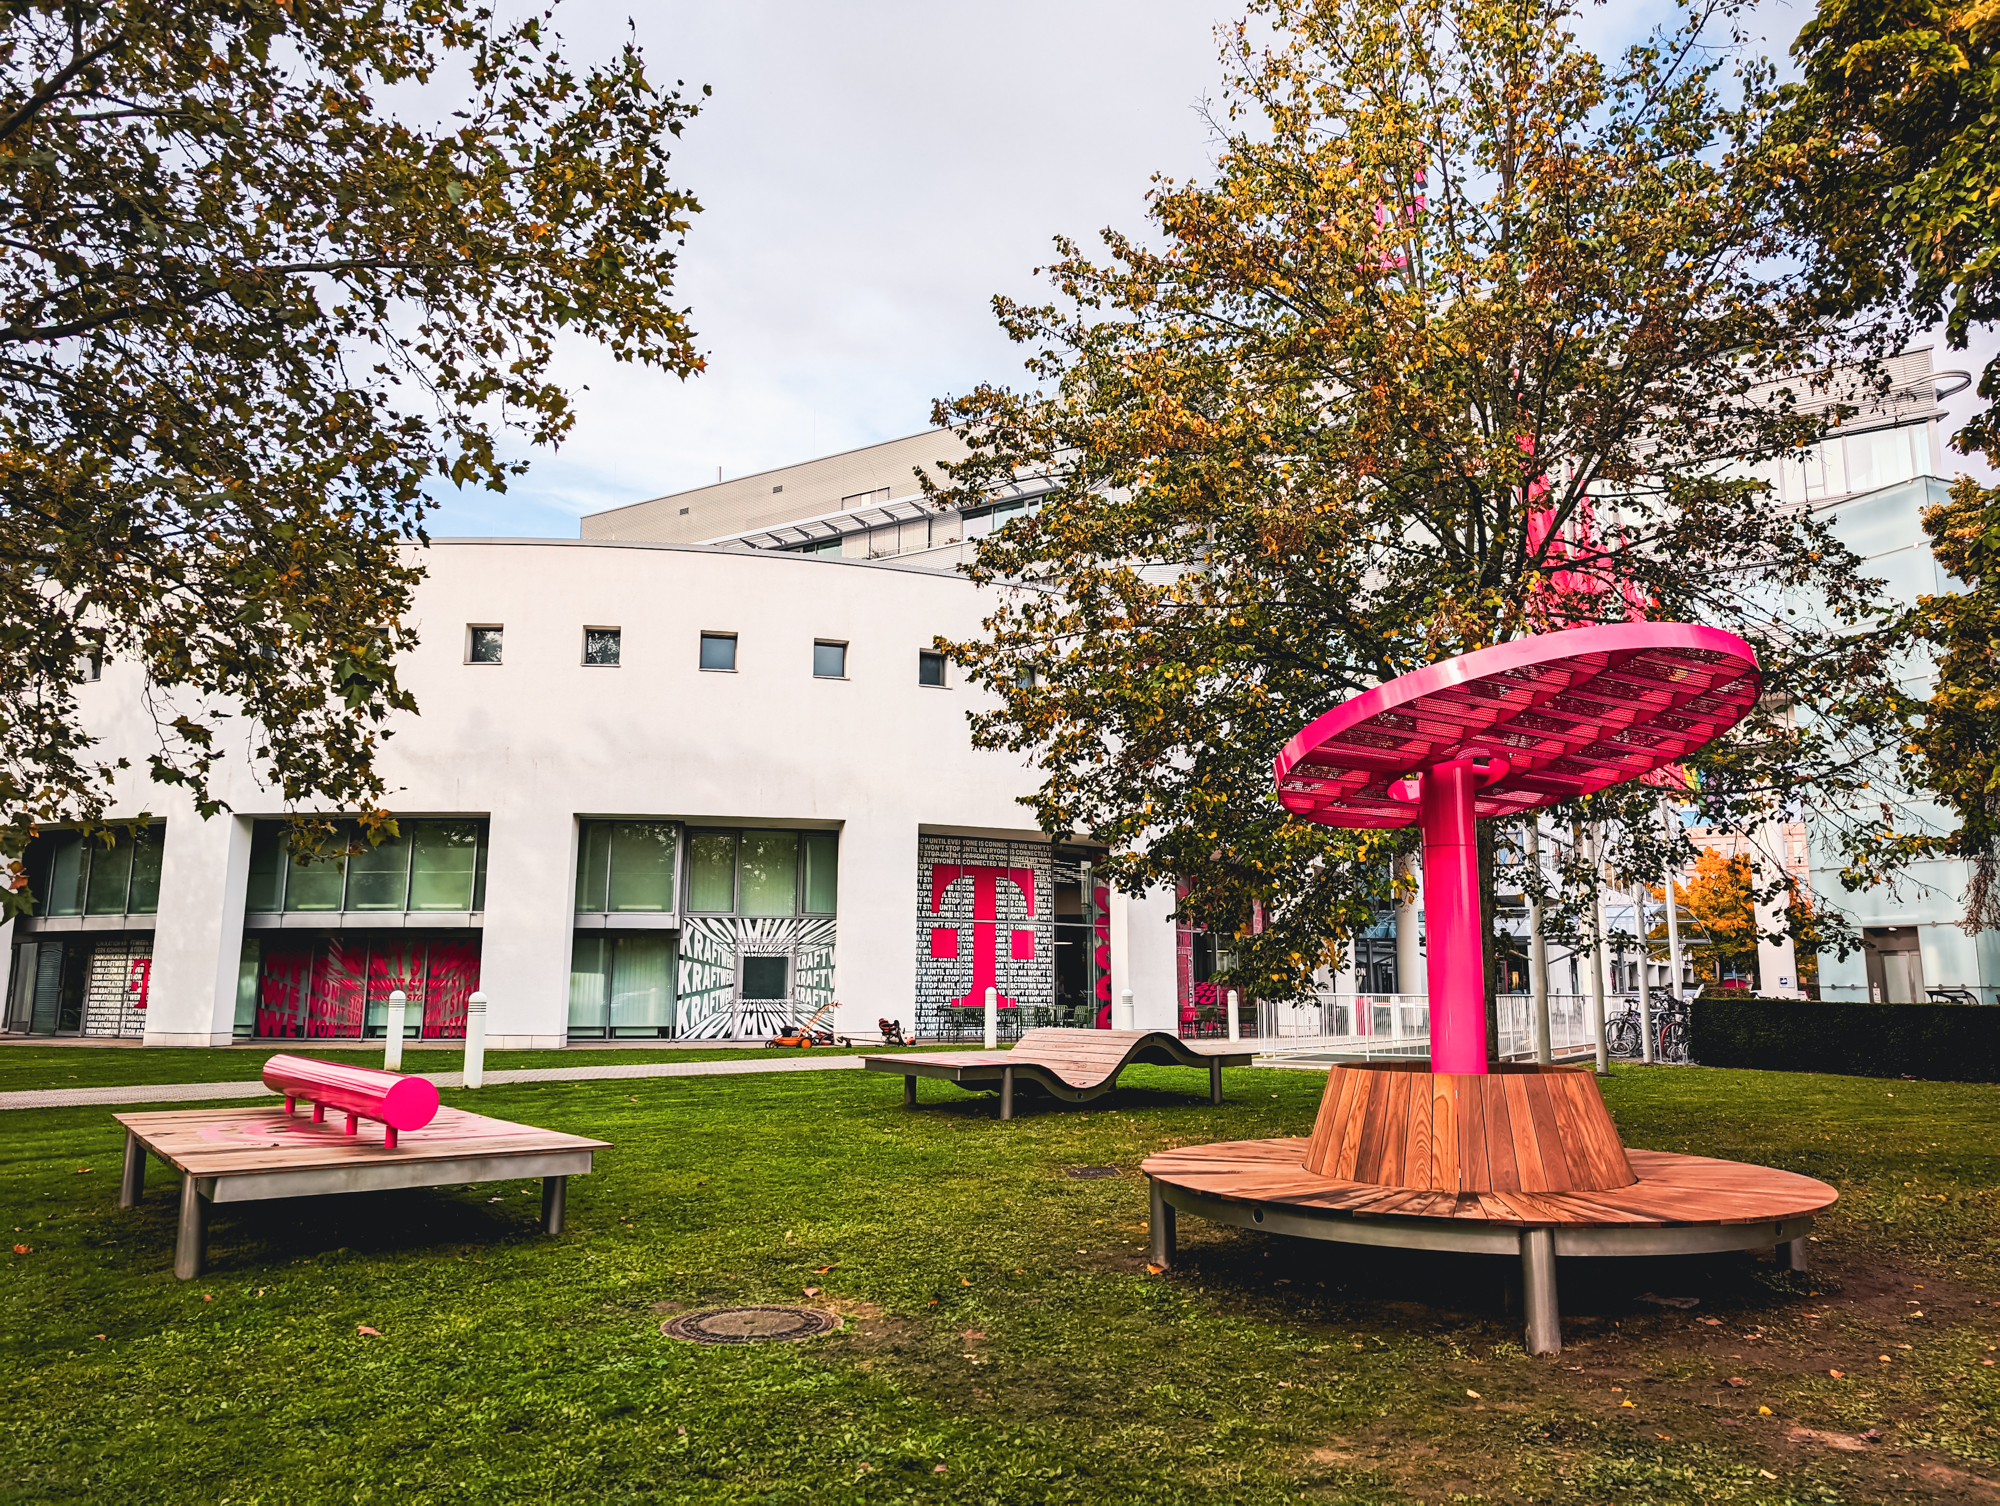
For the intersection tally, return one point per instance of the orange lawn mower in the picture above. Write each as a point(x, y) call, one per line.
point(805, 1037)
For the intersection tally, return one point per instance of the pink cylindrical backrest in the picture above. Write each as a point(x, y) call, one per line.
point(402, 1103)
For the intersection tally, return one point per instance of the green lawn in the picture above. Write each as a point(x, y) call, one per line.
point(111, 1066)
point(1004, 1341)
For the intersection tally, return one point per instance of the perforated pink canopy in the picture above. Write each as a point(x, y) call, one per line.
point(1568, 712)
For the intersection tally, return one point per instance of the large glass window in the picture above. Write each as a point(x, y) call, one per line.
point(622, 985)
point(712, 872)
point(822, 848)
point(626, 866)
point(117, 873)
point(763, 872)
point(378, 876)
point(770, 866)
point(435, 865)
point(444, 862)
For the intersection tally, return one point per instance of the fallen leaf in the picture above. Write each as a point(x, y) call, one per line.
point(967, 1280)
point(1627, 1402)
point(1763, 1411)
point(1838, 1374)
point(972, 1335)
point(97, 1336)
point(1882, 1357)
point(812, 1291)
point(83, 1171)
point(1160, 1270)
point(20, 1249)
point(1713, 1322)
point(824, 1269)
point(1473, 1394)
point(208, 1296)
point(1663, 1438)
point(1737, 1380)
point(365, 1332)
point(1767, 1474)
point(939, 1470)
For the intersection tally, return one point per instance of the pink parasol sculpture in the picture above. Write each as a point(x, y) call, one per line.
point(1453, 1154)
point(1498, 732)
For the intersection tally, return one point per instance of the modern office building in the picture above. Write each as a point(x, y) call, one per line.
point(700, 773)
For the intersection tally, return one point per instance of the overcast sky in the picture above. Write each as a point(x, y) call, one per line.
point(870, 175)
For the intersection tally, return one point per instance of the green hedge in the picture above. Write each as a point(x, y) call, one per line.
point(1941, 1042)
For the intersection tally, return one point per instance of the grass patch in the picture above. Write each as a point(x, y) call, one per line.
point(999, 1319)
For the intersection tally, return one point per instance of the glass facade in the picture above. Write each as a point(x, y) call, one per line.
point(117, 873)
point(762, 872)
point(622, 986)
point(627, 867)
point(430, 865)
point(338, 986)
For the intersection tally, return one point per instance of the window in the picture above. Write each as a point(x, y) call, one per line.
point(89, 667)
point(627, 867)
point(712, 872)
point(765, 977)
point(776, 489)
point(435, 865)
point(769, 865)
point(600, 646)
point(482, 645)
point(718, 651)
point(622, 986)
point(821, 849)
point(760, 872)
point(830, 661)
point(112, 874)
point(930, 668)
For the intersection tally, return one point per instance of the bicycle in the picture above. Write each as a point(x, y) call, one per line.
point(1671, 1021)
point(1622, 1035)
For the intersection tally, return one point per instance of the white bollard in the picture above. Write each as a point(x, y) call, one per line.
point(992, 1018)
point(392, 1050)
point(1235, 1025)
point(475, 1041)
point(1126, 1014)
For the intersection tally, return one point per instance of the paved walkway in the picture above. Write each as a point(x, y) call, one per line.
point(209, 1092)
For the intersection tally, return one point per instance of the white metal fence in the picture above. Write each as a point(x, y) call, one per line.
point(1387, 1025)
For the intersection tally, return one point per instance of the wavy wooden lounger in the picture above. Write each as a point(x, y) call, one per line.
point(1076, 1065)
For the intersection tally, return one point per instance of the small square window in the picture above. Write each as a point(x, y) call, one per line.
point(718, 651)
point(483, 645)
point(830, 661)
point(90, 667)
point(601, 646)
point(766, 977)
point(930, 668)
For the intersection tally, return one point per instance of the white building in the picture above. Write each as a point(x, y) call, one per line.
point(654, 792)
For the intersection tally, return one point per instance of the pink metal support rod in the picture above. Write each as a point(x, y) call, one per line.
point(1455, 966)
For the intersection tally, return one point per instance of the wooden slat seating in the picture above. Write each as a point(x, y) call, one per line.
point(1668, 1190)
point(1072, 1065)
point(1520, 1128)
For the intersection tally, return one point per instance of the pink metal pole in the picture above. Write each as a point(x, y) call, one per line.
point(1456, 966)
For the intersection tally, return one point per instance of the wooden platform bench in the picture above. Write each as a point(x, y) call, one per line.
point(1071, 1065)
point(247, 1155)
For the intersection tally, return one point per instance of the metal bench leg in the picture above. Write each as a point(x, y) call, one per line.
point(1006, 1092)
point(132, 1185)
point(1792, 1254)
point(1160, 1245)
point(909, 1092)
point(1538, 1289)
point(190, 1243)
point(555, 1193)
point(1215, 1082)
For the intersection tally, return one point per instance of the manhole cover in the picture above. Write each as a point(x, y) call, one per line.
point(751, 1325)
point(1082, 1172)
